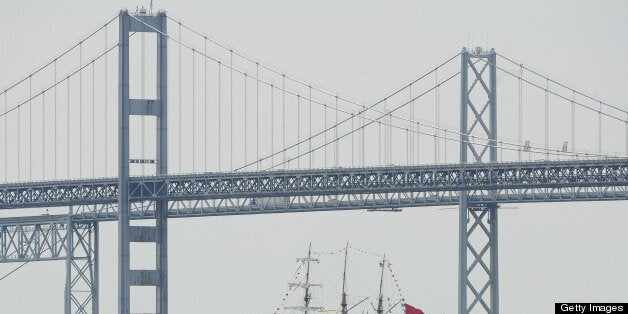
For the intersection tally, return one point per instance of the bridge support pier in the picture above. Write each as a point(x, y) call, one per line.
point(81, 286)
point(478, 235)
point(479, 274)
point(157, 108)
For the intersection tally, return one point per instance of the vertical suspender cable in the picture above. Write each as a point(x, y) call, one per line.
point(501, 151)
point(272, 125)
point(55, 123)
point(93, 120)
point(445, 146)
point(231, 110)
point(390, 137)
point(408, 138)
point(418, 142)
point(363, 134)
point(142, 85)
point(418, 133)
point(385, 131)
point(599, 133)
point(205, 106)
point(30, 128)
point(360, 134)
point(325, 128)
point(257, 115)
point(336, 150)
point(68, 132)
point(310, 126)
point(5, 133)
point(407, 146)
point(219, 118)
point(437, 120)
point(352, 139)
point(180, 105)
point(43, 136)
point(520, 123)
point(299, 131)
point(573, 121)
point(106, 152)
point(5, 137)
point(246, 122)
point(379, 142)
point(411, 143)
point(283, 118)
point(19, 140)
point(81, 110)
point(193, 111)
point(546, 120)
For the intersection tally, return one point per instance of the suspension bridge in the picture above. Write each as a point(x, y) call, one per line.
point(89, 136)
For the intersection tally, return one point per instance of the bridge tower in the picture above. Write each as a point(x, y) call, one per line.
point(128, 233)
point(478, 236)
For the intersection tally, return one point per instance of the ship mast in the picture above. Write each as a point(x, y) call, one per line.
point(380, 300)
point(305, 285)
point(307, 296)
point(343, 303)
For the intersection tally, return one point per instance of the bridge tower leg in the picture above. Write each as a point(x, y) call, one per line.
point(81, 287)
point(128, 233)
point(478, 289)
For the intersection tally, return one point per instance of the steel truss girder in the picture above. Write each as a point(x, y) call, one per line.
point(36, 239)
point(480, 176)
point(387, 200)
point(47, 238)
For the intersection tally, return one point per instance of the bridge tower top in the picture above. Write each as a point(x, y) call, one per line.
point(482, 123)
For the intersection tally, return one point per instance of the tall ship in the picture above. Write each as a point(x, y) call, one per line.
point(347, 280)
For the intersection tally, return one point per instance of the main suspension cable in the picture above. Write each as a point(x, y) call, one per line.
point(55, 59)
point(67, 77)
point(553, 92)
point(562, 84)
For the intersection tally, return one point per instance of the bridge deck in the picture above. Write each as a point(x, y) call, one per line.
point(506, 177)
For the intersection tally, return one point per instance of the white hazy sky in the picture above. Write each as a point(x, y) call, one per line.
point(364, 49)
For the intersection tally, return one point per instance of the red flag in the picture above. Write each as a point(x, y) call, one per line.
point(412, 310)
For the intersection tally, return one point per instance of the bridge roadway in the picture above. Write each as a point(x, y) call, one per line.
point(574, 180)
point(503, 176)
point(36, 238)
